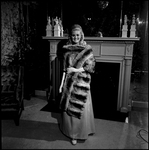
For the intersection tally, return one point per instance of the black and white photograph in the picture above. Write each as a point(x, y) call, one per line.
point(74, 74)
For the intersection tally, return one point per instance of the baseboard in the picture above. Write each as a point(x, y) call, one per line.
point(138, 104)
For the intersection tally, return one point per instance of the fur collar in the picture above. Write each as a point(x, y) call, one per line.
point(76, 47)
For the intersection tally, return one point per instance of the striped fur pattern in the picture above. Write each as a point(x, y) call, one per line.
point(77, 84)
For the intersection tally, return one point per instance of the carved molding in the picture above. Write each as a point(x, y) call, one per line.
point(53, 48)
point(129, 49)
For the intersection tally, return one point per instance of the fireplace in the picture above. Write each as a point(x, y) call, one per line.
point(105, 86)
point(105, 90)
point(111, 81)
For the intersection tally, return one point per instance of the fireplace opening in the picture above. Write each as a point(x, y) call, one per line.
point(104, 90)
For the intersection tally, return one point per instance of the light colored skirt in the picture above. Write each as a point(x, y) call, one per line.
point(79, 128)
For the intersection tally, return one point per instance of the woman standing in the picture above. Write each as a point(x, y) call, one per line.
point(76, 103)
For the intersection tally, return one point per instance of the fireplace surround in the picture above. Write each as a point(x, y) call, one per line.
point(114, 53)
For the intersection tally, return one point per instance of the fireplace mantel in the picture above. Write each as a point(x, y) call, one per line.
point(105, 49)
point(94, 38)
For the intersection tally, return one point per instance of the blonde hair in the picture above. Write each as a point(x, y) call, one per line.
point(73, 28)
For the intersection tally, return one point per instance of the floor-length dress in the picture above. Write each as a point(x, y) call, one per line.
point(78, 128)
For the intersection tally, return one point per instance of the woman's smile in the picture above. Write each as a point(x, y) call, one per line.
point(76, 36)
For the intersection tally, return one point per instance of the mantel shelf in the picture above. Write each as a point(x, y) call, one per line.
point(96, 38)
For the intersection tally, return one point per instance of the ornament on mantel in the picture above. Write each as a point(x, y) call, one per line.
point(133, 27)
point(61, 27)
point(125, 27)
point(49, 28)
point(56, 27)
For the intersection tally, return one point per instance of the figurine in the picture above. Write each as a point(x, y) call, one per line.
point(133, 20)
point(56, 27)
point(56, 21)
point(49, 21)
point(125, 20)
point(125, 27)
point(49, 27)
point(61, 27)
point(133, 27)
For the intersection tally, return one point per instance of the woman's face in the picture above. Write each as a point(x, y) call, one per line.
point(76, 36)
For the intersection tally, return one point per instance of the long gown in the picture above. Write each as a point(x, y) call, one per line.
point(72, 126)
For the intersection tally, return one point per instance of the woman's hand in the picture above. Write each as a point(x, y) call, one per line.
point(60, 89)
point(72, 69)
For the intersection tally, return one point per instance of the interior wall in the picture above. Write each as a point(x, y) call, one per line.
point(143, 34)
point(139, 76)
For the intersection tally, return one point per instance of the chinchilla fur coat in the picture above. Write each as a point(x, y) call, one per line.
point(76, 84)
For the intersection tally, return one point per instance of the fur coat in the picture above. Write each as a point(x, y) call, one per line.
point(77, 84)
